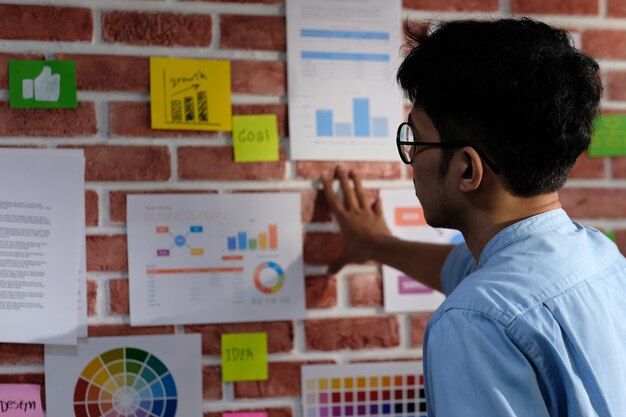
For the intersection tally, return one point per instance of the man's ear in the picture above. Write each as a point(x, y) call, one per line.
point(472, 170)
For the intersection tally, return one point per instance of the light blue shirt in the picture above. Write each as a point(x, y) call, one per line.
point(537, 329)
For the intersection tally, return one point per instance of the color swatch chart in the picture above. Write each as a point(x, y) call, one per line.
point(390, 389)
point(125, 382)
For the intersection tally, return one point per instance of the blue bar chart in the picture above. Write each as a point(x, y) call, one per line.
point(363, 124)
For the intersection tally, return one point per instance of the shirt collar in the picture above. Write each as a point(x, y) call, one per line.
point(520, 229)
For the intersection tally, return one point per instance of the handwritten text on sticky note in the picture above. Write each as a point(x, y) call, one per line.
point(244, 357)
point(22, 400)
point(255, 138)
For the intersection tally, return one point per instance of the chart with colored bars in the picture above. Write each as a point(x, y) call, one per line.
point(363, 125)
point(215, 258)
point(391, 389)
point(133, 376)
point(267, 240)
point(405, 217)
point(125, 382)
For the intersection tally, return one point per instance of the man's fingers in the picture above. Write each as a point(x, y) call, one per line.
point(377, 206)
point(349, 199)
point(358, 190)
point(329, 193)
point(336, 266)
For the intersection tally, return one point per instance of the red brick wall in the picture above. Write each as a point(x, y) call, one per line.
point(345, 318)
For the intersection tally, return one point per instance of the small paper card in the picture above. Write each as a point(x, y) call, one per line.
point(42, 84)
point(22, 400)
point(244, 357)
point(255, 138)
point(609, 136)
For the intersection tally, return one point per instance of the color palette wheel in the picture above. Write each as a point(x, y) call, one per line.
point(125, 382)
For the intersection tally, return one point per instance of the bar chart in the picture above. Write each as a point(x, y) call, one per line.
point(241, 241)
point(362, 124)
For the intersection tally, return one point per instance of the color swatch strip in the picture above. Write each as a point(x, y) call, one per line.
point(125, 382)
point(390, 389)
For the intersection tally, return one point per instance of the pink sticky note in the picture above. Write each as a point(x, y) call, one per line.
point(22, 400)
point(244, 414)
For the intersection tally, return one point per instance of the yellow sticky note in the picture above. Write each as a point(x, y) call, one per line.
point(255, 138)
point(190, 94)
point(244, 357)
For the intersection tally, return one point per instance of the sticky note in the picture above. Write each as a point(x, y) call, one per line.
point(244, 357)
point(609, 136)
point(22, 400)
point(244, 414)
point(190, 94)
point(255, 138)
point(42, 84)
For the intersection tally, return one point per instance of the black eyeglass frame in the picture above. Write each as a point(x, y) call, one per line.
point(442, 145)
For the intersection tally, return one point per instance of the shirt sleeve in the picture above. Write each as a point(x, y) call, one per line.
point(459, 264)
point(474, 370)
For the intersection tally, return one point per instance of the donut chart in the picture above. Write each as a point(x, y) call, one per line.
point(125, 382)
point(276, 270)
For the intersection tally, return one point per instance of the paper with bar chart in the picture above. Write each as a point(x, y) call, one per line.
point(215, 258)
point(344, 103)
point(405, 218)
point(141, 376)
point(386, 389)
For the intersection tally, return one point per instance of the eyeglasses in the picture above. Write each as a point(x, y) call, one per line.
point(407, 146)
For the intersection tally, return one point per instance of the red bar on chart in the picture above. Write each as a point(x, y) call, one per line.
point(273, 236)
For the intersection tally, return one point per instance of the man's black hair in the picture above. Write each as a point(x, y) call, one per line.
point(517, 89)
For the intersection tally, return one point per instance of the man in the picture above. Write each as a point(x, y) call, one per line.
point(534, 323)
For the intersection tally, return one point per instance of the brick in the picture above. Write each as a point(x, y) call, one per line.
point(119, 297)
point(102, 330)
point(259, 77)
point(616, 8)
point(366, 170)
point(21, 354)
point(587, 167)
point(618, 165)
point(267, 33)
point(283, 381)
point(117, 200)
point(280, 110)
point(4, 66)
point(365, 290)
point(212, 382)
point(452, 5)
point(91, 208)
point(133, 119)
point(321, 291)
point(217, 163)
point(271, 412)
point(92, 298)
point(126, 163)
point(418, 327)
point(111, 72)
point(279, 335)
point(45, 23)
point(616, 85)
point(48, 122)
point(605, 43)
point(107, 253)
point(569, 7)
point(594, 203)
point(164, 29)
point(321, 248)
point(352, 333)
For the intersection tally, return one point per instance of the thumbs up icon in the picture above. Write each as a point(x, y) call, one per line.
point(45, 87)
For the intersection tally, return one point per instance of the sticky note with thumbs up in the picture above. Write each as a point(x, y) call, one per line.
point(42, 84)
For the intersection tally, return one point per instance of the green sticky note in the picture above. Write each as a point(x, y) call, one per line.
point(42, 84)
point(611, 235)
point(244, 357)
point(609, 136)
point(255, 138)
